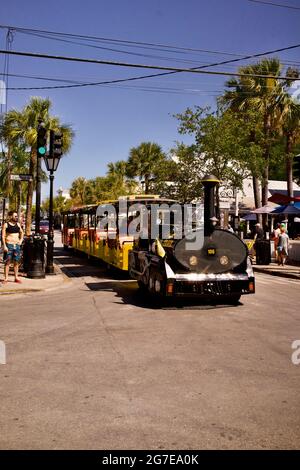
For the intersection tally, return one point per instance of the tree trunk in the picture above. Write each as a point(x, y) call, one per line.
point(257, 199)
point(289, 165)
point(265, 184)
point(265, 191)
point(30, 194)
point(147, 183)
point(9, 165)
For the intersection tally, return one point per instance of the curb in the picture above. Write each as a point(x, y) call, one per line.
point(21, 291)
point(276, 273)
point(10, 292)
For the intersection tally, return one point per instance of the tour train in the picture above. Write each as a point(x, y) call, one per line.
point(165, 266)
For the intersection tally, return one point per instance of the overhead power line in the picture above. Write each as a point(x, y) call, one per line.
point(172, 70)
point(272, 4)
point(151, 56)
point(109, 49)
point(131, 65)
point(149, 45)
point(118, 84)
point(137, 44)
point(81, 81)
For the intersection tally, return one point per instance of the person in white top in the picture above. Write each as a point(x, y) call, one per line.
point(283, 246)
point(276, 234)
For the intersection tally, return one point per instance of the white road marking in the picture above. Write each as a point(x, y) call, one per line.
point(270, 279)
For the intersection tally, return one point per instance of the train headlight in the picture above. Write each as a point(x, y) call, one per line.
point(224, 260)
point(193, 260)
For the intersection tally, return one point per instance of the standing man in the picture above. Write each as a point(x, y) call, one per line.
point(12, 238)
point(258, 237)
point(282, 246)
point(276, 234)
point(259, 233)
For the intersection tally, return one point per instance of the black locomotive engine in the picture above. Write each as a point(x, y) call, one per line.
point(218, 269)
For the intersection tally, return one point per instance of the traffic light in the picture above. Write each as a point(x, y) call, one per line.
point(56, 143)
point(296, 167)
point(41, 141)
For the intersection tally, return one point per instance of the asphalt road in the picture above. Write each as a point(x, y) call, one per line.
point(95, 366)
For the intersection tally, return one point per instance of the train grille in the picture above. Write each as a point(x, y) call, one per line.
point(214, 288)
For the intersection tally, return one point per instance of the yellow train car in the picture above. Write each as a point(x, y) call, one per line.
point(81, 230)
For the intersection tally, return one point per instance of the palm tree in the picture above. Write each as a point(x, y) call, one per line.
point(78, 191)
point(262, 95)
point(118, 179)
point(20, 127)
point(290, 129)
point(17, 163)
point(118, 169)
point(144, 161)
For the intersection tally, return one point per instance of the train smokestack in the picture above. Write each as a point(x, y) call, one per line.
point(209, 182)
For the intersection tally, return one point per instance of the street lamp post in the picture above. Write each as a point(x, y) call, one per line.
point(52, 161)
point(50, 242)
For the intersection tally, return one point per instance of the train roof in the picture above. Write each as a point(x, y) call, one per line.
point(130, 198)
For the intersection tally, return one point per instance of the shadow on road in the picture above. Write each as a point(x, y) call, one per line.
point(129, 293)
point(126, 289)
point(78, 265)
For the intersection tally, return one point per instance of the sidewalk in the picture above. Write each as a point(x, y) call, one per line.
point(288, 271)
point(32, 285)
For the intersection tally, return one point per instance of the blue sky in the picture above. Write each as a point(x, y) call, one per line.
point(108, 121)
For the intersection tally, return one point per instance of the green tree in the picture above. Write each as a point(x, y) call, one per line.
point(290, 129)
point(20, 128)
point(118, 179)
point(118, 170)
point(15, 164)
point(179, 176)
point(79, 191)
point(221, 145)
point(144, 162)
point(60, 204)
point(263, 95)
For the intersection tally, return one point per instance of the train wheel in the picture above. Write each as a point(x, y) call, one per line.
point(156, 284)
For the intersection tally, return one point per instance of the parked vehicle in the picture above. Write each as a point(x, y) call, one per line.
point(44, 227)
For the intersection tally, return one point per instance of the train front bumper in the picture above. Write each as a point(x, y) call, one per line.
point(228, 284)
point(205, 285)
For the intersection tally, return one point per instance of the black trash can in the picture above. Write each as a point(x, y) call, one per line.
point(34, 257)
point(263, 252)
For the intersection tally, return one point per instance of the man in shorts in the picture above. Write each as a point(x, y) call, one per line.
point(12, 238)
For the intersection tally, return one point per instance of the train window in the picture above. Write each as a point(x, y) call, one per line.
point(92, 221)
point(77, 221)
point(106, 216)
point(98, 219)
point(84, 221)
point(69, 220)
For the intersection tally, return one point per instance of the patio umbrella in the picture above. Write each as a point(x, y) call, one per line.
point(288, 209)
point(249, 217)
point(263, 210)
point(280, 198)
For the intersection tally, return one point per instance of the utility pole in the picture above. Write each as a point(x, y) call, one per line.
point(35, 246)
